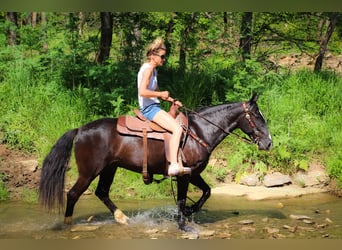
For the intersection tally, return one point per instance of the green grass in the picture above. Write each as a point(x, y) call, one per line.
point(3, 191)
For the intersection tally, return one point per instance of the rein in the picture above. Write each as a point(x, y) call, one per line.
point(246, 112)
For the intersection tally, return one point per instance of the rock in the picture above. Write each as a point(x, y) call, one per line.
point(315, 176)
point(84, 228)
point(291, 229)
point(328, 220)
point(299, 217)
point(224, 235)
point(324, 225)
point(308, 221)
point(307, 229)
point(279, 205)
point(246, 222)
point(279, 236)
point(192, 236)
point(276, 179)
point(152, 231)
point(29, 165)
point(250, 180)
point(265, 219)
point(271, 230)
point(207, 233)
point(247, 229)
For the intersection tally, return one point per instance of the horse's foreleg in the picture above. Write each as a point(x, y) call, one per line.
point(182, 190)
point(102, 192)
point(198, 181)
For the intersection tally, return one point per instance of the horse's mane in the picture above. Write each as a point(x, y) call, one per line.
point(203, 110)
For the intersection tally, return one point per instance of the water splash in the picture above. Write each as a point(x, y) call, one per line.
point(154, 216)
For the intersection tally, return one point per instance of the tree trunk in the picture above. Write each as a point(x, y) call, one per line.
point(324, 43)
point(246, 35)
point(43, 24)
point(106, 37)
point(34, 19)
point(80, 22)
point(225, 22)
point(168, 36)
point(11, 32)
point(183, 45)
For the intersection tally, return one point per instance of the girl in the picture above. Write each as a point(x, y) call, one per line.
point(149, 94)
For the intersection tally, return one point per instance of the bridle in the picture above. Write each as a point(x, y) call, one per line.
point(251, 122)
point(246, 114)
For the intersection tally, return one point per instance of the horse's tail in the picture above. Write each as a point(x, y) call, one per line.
point(51, 186)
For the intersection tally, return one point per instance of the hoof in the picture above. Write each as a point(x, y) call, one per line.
point(68, 220)
point(120, 217)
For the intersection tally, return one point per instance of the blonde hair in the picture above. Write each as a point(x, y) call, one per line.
point(156, 45)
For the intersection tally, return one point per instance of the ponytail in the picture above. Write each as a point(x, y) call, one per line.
point(157, 44)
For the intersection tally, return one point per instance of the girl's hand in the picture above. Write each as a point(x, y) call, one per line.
point(164, 95)
point(178, 103)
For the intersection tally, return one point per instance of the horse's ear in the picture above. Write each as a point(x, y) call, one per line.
point(254, 98)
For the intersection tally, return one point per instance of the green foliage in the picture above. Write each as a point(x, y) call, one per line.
point(334, 163)
point(50, 83)
point(301, 111)
point(30, 196)
point(302, 118)
point(130, 184)
point(3, 191)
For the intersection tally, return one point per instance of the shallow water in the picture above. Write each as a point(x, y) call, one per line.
point(222, 217)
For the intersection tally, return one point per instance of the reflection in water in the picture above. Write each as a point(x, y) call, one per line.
point(221, 217)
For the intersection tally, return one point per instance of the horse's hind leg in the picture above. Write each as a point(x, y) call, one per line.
point(198, 181)
point(73, 195)
point(102, 192)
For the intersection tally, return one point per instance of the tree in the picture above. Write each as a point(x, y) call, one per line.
point(12, 18)
point(34, 19)
point(246, 35)
point(189, 20)
point(106, 36)
point(324, 43)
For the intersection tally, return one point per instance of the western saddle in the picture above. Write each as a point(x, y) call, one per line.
point(138, 125)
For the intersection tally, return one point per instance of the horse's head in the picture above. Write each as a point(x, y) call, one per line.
point(254, 125)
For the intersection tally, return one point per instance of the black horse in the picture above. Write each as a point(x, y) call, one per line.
point(99, 150)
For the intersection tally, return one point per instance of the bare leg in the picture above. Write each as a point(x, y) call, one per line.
point(168, 122)
point(165, 120)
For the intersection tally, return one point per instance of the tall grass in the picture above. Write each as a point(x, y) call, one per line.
point(36, 112)
point(302, 110)
point(304, 113)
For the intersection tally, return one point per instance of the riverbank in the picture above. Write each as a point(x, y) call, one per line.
point(21, 173)
point(263, 193)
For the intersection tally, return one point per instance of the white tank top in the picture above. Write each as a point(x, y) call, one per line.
point(152, 85)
